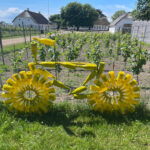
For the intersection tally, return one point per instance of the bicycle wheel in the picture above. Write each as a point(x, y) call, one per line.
point(111, 94)
point(29, 92)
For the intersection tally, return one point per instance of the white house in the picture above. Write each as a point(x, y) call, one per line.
point(31, 19)
point(122, 23)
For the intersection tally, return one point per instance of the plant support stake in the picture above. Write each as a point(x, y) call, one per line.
point(2, 53)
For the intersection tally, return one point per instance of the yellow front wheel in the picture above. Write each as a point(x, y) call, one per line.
point(112, 93)
point(29, 92)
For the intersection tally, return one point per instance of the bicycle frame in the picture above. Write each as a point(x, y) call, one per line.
point(108, 94)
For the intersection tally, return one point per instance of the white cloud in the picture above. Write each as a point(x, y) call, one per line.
point(108, 15)
point(45, 15)
point(9, 14)
point(123, 7)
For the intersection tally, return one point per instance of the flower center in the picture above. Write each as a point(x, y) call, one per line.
point(29, 94)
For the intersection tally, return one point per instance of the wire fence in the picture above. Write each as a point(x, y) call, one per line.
point(17, 36)
point(14, 40)
point(141, 31)
point(14, 32)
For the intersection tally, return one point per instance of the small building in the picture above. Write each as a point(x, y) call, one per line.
point(122, 23)
point(101, 24)
point(31, 19)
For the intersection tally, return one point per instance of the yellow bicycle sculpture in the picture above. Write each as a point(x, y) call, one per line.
point(33, 91)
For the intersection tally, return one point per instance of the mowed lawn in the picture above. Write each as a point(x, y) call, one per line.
point(10, 48)
point(75, 126)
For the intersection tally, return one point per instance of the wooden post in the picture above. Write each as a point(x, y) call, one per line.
point(1, 46)
point(30, 33)
point(25, 39)
point(24, 34)
point(40, 30)
point(55, 61)
point(15, 55)
point(137, 33)
point(45, 31)
point(132, 31)
point(144, 33)
point(1, 83)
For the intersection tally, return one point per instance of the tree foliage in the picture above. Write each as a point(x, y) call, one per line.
point(100, 13)
point(133, 13)
point(142, 11)
point(56, 19)
point(90, 15)
point(118, 14)
point(72, 14)
point(76, 14)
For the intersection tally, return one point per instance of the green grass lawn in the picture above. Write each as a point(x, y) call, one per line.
point(10, 48)
point(75, 126)
point(17, 36)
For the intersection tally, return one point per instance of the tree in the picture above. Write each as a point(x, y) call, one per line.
point(118, 14)
point(72, 14)
point(100, 13)
point(90, 15)
point(142, 11)
point(76, 14)
point(56, 19)
point(133, 13)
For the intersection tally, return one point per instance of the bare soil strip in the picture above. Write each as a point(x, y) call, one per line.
point(13, 41)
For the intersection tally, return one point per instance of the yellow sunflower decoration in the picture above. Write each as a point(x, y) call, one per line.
point(29, 91)
point(112, 93)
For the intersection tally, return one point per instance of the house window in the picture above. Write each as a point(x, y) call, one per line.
point(127, 28)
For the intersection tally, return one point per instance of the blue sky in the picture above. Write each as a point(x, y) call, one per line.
point(10, 8)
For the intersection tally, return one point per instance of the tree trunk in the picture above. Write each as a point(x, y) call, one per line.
point(78, 28)
point(58, 26)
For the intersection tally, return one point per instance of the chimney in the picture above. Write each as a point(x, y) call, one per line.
point(39, 12)
point(27, 9)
